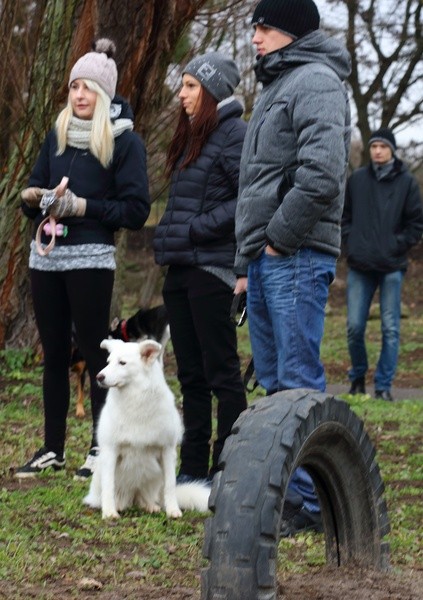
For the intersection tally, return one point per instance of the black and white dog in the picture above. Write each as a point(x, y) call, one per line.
point(146, 323)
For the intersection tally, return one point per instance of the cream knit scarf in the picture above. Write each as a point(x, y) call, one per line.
point(79, 130)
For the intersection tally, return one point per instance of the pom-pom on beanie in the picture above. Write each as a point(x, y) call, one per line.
point(217, 73)
point(294, 17)
point(99, 66)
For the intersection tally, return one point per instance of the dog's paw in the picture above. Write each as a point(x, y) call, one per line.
point(91, 501)
point(110, 514)
point(174, 513)
point(152, 508)
point(80, 412)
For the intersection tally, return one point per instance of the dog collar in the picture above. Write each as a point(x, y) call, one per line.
point(124, 331)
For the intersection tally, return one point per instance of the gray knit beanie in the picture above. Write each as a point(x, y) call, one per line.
point(294, 17)
point(99, 66)
point(217, 73)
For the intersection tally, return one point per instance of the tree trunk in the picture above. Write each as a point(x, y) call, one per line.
point(146, 33)
point(17, 328)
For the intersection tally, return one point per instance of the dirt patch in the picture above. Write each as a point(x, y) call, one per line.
point(354, 584)
point(327, 583)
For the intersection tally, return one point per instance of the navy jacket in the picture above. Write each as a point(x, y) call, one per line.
point(197, 227)
point(116, 196)
point(382, 219)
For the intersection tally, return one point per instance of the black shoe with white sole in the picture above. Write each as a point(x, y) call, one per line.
point(43, 459)
point(87, 469)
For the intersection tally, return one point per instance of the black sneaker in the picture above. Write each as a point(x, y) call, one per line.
point(42, 460)
point(298, 519)
point(87, 469)
point(384, 395)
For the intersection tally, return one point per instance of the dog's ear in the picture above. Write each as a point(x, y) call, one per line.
point(106, 345)
point(149, 350)
point(114, 324)
point(109, 344)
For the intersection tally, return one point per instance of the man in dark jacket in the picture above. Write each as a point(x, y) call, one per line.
point(382, 220)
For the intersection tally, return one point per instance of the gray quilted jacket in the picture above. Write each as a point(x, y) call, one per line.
point(295, 154)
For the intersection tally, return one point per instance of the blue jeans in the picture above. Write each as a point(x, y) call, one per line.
point(286, 312)
point(361, 287)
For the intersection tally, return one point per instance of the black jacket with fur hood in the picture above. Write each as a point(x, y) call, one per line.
point(382, 219)
point(116, 196)
point(197, 227)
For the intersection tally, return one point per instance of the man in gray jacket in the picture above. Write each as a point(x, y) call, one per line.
point(292, 179)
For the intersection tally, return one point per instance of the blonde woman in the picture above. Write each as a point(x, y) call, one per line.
point(93, 146)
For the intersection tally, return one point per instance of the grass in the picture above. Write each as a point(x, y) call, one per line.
point(48, 540)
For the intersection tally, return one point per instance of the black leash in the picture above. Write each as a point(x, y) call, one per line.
point(249, 372)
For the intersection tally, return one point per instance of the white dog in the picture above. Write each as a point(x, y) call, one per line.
point(138, 433)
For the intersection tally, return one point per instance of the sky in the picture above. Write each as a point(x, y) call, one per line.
point(334, 15)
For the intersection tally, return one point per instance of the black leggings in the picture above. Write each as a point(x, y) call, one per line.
point(205, 344)
point(81, 296)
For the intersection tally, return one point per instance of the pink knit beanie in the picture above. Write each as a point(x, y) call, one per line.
point(99, 66)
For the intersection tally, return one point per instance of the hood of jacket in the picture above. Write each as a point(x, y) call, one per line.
point(315, 47)
point(121, 109)
point(228, 108)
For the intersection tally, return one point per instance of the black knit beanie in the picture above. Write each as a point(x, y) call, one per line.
point(294, 17)
point(384, 135)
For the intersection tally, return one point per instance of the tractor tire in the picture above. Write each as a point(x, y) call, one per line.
point(268, 442)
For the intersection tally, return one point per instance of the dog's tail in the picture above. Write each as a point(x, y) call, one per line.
point(193, 496)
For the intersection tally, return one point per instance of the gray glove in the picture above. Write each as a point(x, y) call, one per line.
point(32, 196)
point(68, 205)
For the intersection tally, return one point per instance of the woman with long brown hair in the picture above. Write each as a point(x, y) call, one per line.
point(195, 238)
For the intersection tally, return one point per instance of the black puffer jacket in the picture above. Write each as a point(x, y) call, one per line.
point(197, 227)
point(116, 197)
point(382, 219)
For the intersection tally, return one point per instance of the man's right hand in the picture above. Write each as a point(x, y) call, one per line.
point(241, 285)
point(32, 196)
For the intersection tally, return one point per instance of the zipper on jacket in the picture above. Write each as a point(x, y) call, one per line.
point(172, 207)
point(257, 132)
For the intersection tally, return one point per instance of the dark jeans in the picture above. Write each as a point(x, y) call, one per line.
point(60, 298)
point(205, 345)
